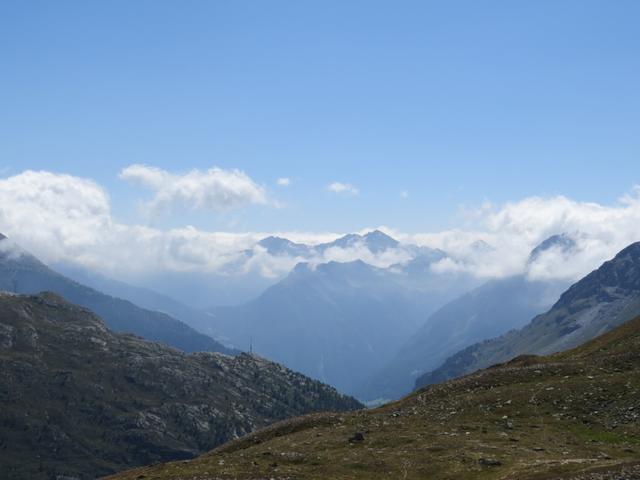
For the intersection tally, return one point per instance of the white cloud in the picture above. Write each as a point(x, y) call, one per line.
point(342, 188)
point(215, 189)
point(56, 212)
point(283, 182)
point(514, 229)
point(62, 218)
point(404, 194)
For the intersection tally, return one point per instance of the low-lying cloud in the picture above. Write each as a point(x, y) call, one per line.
point(514, 229)
point(62, 218)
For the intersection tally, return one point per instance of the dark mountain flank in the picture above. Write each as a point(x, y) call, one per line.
point(572, 415)
point(602, 300)
point(489, 310)
point(21, 272)
point(79, 401)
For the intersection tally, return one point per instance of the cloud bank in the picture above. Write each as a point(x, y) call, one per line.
point(514, 229)
point(62, 218)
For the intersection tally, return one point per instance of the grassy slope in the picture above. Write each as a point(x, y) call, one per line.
point(560, 416)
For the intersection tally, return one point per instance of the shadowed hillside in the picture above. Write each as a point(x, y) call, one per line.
point(79, 401)
point(604, 299)
point(562, 416)
point(21, 272)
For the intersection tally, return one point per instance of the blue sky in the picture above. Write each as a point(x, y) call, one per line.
point(454, 102)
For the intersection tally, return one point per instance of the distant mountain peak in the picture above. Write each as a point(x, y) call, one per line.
point(379, 234)
point(381, 240)
point(301, 267)
point(344, 241)
point(352, 265)
point(273, 239)
point(376, 241)
point(283, 246)
point(332, 267)
point(480, 246)
point(562, 241)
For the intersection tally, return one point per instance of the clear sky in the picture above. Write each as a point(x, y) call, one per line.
point(453, 102)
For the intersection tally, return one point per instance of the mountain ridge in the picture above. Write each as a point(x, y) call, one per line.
point(491, 309)
point(602, 300)
point(322, 317)
point(22, 272)
point(568, 416)
point(81, 401)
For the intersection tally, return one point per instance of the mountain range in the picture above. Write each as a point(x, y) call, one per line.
point(21, 272)
point(568, 416)
point(390, 325)
point(602, 300)
point(79, 401)
point(323, 317)
point(375, 241)
point(492, 309)
point(377, 319)
point(142, 297)
point(185, 295)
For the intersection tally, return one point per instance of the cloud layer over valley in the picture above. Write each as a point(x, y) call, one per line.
point(63, 218)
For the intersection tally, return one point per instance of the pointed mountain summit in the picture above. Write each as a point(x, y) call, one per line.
point(601, 301)
point(376, 241)
point(480, 246)
point(278, 246)
point(562, 242)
